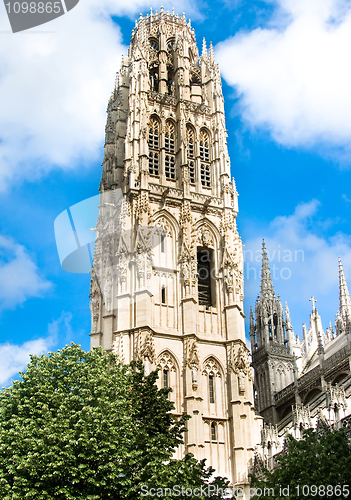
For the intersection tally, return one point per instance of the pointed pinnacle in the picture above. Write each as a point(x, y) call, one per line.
point(211, 53)
point(204, 48)
point(267, 290)
point(287, 313)
point(344, 296)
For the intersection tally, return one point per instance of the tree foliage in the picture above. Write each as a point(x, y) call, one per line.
point(308, 467)
point(81, 425)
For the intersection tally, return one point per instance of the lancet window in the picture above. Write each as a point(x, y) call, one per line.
point(190, 154)
point(170, 150)
point(211, 394)
point(205, 171)
point(154, 154)
point(213, 432)
point(204, 277)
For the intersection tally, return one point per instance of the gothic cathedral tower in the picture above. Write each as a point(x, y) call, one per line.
point(167, 282)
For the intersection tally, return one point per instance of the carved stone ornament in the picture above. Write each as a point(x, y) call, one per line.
point(95, 295)
point(210, 367)
point(165, 361)
point(118, 347)
point(192, 360)
point(239, 360)
point(148, 349)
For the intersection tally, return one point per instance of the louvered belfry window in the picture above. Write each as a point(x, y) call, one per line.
point(204, 277)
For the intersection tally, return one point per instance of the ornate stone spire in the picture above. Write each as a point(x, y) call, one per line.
point(267, 290)
point(344, 296)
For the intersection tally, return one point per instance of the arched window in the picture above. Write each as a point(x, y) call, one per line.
point(204, 277)
point(154, 78)
point(205, 172)
point(165, 379)
point(190, 142)
point(154, 134)
point(154, 43)
point(211, 394)
point(154, 147)
point(170, 149)
point(204, 146)
point(163, 294)
point(190, 153)
point(213, 432)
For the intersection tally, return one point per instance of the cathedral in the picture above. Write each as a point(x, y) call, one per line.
point(167, 276)
point(298, 384)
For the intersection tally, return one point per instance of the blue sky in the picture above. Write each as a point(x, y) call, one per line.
point(286, 83)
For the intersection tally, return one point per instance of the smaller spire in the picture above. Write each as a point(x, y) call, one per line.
point(344, 296)
point(252, 324)
point(267, 290)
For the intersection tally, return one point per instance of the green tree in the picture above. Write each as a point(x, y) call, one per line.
point(314, 467)
point(81, 425)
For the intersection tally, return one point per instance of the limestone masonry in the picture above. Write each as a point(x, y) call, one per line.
point(167, 278)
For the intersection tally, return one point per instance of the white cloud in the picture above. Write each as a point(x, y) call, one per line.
point(293, 77)
point(54, 87)
point(303, 263)
point(19, 276)
point(14, 358)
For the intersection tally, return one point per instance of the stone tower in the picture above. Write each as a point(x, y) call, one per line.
point(272, 342)
point(167, 282)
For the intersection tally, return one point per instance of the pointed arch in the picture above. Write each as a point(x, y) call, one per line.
point(190, 140)
point(204, 144)
point(170, 136)
point(190, 152)
point(154, 128)
point(207, 224)
point(166, 359)
point(212, 366)
point(169, 377)
point(162, 217)
point(205, 158)
point(170, 144)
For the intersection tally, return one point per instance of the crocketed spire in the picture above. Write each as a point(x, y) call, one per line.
point(267, 290)
point(344, 296)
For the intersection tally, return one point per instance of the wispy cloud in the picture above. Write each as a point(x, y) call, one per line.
point(291, 77)
point(14, 357)
point(19, 275)
point(54, 87)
